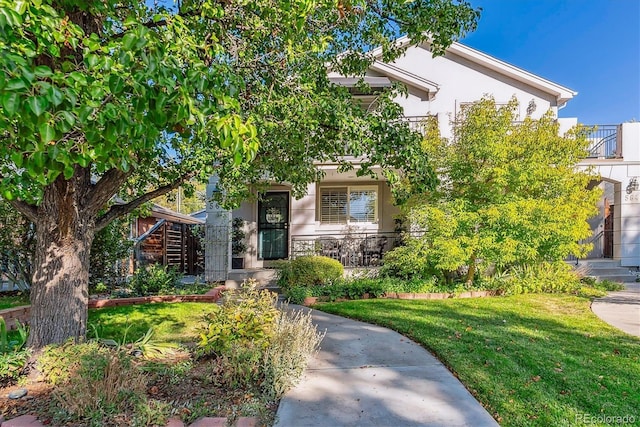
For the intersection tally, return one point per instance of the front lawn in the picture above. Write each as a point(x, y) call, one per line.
point(171, 322)
point(529, 359)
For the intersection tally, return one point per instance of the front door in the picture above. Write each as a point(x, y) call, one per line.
point(607, 250)
point(273, 226)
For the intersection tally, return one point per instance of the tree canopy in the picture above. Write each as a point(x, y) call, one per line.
point(509, 192)
point(103, 98)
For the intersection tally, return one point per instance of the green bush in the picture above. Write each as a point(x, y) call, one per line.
point(544, 277)
point(407, 262)
point(246, 315)
point(308, 271)
point(155, 280)
point(297, 294)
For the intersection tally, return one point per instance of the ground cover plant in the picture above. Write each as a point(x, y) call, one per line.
point(146, 363)
point(535, 278)
point(531, 360)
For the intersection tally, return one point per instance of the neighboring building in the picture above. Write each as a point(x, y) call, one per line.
point(169, 238)
point(351, 218)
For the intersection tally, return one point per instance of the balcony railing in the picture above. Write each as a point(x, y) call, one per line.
point(604, 142)
point(352, 250)
point(417, 123)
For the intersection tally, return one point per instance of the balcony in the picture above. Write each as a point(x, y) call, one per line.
point(352, 250)
point(604, 142)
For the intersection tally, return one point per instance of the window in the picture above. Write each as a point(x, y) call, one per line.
point(348, 204)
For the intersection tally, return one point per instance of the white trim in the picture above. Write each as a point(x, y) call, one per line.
point(406, 77)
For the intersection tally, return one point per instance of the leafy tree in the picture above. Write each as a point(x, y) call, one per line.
point(509, 193)
point(104, 98)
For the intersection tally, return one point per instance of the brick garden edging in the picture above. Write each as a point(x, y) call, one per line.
point(439, 295)
point(10, 315)
point(212, 296)
point(23, 313)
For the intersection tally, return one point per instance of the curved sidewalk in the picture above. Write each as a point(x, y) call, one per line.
point(621, 309)
point(365, 375)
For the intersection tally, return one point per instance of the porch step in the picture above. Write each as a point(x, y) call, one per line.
point(265, 276)
point(608, 269)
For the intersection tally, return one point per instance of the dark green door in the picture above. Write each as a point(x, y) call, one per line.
point(273, 226)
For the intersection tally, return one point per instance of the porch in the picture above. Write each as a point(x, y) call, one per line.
point(353, 250)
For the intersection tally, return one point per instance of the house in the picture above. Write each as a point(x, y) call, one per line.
point(351, 218)
point(168, 238)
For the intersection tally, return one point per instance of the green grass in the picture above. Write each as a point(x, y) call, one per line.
point(176, 322)
point(531, 360)
point(13, 301)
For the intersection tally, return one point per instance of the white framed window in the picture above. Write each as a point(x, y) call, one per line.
point(348, 204)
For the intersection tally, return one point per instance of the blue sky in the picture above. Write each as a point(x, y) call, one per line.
point(590, 46)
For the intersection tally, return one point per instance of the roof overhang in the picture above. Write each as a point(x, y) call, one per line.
point(561, 93)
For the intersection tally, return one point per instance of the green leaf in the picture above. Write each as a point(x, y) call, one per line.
point(78, 77)
point(42, 71)
point(10, 103)
point(55, 96)
point(17, 158)
point(47, 132)
point(68, 117)
point(91, 60)
point(68, 172)
point(37, 104)
point(128, 41)
point(15, 84)
point(237, 158)
point(20, 6)
point(116, 84)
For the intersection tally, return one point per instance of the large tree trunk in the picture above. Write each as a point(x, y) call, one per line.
point(59, 294)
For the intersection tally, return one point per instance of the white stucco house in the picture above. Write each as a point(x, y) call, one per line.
point(351, 218)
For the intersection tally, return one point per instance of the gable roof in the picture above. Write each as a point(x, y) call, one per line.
point(561, 93)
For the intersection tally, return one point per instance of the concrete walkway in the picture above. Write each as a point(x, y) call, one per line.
point(366, 375)
point(621, 309)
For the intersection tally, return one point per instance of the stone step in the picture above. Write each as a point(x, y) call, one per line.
point(618, 271)
point(622, 278)
point(598, 263)
point(266, 277)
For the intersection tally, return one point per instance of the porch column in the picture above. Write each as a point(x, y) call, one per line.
point(629, 211)
point(217, 248)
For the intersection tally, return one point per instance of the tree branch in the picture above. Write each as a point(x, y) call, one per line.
point(118, 210)
point(105, 188)
point(26, 209)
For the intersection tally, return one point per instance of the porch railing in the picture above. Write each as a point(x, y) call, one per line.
point(352, 250)
point(604, 142)
point(602, 246)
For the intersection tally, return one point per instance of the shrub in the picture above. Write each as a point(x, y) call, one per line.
point(297, 294)
point(308, 270)
point(246, 315)
point(92, 381)
point(407, 262)
point(155, 279)
point(544, 277)
point(295, 340)
point(240, 366)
